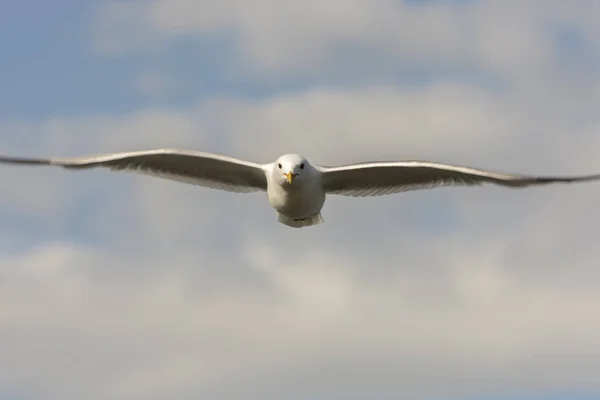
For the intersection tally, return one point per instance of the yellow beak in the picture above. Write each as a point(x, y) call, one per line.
point(289, 176)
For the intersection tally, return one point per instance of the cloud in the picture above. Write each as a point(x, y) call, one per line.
point(159, 332)
point(455, 123)
point(357, 38)
point(123, 286)
point(184, 292)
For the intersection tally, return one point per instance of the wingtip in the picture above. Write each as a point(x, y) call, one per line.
point(24, 161)
point(585, 178)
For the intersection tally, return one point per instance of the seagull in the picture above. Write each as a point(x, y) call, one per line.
point(295, 188)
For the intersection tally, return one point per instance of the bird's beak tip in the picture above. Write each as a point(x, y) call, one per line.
point(289, 176)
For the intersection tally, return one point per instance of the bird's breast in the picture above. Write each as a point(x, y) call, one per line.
point(297, 202)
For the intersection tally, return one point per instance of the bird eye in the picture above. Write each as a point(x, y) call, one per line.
point(302, 166)
point(279, 165)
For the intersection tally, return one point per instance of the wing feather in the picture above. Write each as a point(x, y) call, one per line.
point(203, 169)
point(382, 178)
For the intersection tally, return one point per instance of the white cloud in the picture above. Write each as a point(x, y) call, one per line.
point(454, 123)
point(186, 292)
point(357, 37)
point(457, 123)
point(90, 330)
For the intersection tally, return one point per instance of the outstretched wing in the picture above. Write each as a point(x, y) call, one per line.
point(204, 169)
point(381, 178)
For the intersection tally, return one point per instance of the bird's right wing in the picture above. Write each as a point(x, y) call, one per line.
point(204, 169)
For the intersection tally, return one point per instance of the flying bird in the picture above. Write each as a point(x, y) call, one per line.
point(295, 188)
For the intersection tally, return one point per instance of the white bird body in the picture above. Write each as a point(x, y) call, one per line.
point(298, 203)
point(296, 189)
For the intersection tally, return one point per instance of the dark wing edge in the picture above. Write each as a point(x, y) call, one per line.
point(25, 161)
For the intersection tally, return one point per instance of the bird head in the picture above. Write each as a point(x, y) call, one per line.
point(291, 169)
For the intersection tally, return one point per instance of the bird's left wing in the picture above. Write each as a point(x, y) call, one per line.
point(381, 178)
point(204, 169)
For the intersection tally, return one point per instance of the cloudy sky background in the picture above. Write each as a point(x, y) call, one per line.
point(121, 286)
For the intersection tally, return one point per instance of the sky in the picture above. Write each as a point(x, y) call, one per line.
point(123, 286)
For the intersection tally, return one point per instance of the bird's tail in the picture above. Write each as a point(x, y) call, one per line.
point(315, 219)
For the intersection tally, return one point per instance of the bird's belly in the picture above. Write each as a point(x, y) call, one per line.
point(297, 203)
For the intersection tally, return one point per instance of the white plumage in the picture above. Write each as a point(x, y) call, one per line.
point(295, 188)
